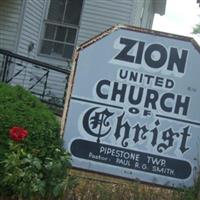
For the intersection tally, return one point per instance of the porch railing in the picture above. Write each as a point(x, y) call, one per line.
point(46, 81)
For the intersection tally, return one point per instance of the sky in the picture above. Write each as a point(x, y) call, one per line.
point(180, 17)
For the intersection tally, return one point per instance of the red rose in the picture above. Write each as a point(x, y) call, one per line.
point(17, 133)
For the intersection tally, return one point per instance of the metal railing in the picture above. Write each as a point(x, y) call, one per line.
point(46, 81)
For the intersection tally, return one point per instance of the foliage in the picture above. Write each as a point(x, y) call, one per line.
point(34, 164)
point(192, 193)
point(196, 29)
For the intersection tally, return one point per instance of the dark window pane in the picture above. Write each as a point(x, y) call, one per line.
point(60, 34)
point(68, 51)
point(46, 47)
point(50, 31)
point(73, 11)
point(71, 35)
point(58, 50)
point(56, 10)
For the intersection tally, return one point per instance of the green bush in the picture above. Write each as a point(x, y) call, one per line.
point(36, 165)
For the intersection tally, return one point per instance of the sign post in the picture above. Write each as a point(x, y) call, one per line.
point(133, 110)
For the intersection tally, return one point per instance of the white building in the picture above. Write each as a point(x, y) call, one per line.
point(49, 30)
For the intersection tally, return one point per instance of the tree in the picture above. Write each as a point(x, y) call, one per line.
point(196, 29)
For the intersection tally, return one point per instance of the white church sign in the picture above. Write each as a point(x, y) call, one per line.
point(134, 108)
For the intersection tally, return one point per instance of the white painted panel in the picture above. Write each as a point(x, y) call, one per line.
point(97, 16)
point(32, 22)
point(9, 23)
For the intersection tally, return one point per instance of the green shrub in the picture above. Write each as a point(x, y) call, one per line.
point(36, 165)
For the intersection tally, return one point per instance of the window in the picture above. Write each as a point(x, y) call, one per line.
point(61, 28)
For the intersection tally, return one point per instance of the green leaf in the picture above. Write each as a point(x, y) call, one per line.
point(35, 166)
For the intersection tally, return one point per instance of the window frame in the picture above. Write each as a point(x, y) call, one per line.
point(46, 22)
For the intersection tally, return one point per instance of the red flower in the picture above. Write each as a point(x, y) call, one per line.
point(17, 133)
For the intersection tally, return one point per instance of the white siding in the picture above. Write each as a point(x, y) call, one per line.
point(148, 14)
point(151, 15)
point(9, 23)
point(144, 13)
point(138, 14)
point(97, 16)
point(30, 31)
point(32, 25)
point(31, 22)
